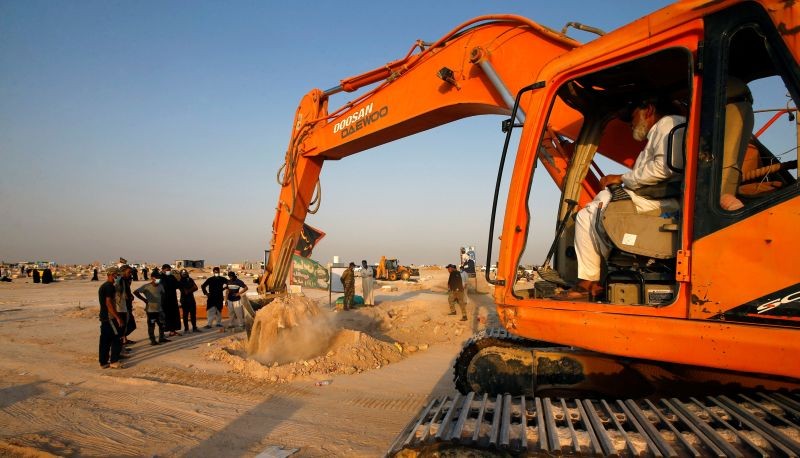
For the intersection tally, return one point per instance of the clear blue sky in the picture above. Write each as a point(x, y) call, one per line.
point(153, 130)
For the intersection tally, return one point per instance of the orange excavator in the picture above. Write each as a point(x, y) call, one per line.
point(692, 346)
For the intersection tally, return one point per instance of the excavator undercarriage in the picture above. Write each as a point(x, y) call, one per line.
point(752, 424)
point(519, 397)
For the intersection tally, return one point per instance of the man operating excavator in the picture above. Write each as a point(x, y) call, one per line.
point(651, 118)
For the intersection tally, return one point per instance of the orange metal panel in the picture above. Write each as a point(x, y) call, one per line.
point(745, 261)
point(756, 349)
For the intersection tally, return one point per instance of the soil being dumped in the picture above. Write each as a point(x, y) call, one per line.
point(291, 328)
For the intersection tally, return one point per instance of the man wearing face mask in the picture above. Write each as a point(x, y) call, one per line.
point(236, 288)
point(213, 289)
point(169, 301)
point(652, 118)
point(151, 294)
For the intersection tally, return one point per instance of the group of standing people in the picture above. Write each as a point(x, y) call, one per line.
point(349, 283)
point(45, 276)
point(160, 296)
point(456, 285)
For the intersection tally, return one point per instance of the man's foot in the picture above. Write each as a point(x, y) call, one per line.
point(208, 326)
point(104, 366)
point(584, 290)
point(219, 325)
point(164, 340)
point(452, 313)
point(196, 330)
point(464, 318)
point(130, 342)
point(153, 342)
point(729, 202)
point(574, 295)
point(115, 365)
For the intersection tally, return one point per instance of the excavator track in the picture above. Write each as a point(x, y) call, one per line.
point(513, 377)
point(742, 425)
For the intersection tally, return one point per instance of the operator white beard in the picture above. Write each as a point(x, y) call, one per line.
point(640, 129)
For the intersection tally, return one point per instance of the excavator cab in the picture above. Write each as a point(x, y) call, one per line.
point(639, 250)
point(744, 97)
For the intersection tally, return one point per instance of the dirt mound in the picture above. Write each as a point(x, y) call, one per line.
point(348, 352)
point(292, 339)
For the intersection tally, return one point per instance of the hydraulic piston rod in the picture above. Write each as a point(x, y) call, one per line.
point(481, 57)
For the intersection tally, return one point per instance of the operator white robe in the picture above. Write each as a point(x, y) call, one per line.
point(650, 168)
point(464, 280)
point(367, 286)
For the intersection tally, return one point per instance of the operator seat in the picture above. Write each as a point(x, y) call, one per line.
point(647, 234)
point(738, 130)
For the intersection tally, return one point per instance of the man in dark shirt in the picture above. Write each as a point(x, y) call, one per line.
point(455, 292)
point(213, 289)
point(111, 324)
point(236, 288)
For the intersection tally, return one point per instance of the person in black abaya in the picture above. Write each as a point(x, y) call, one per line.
point(47, 276)
point(169, 301)
point(36, 276)
point(188, 304)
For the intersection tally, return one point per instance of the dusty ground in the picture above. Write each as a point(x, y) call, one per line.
point(200, 395)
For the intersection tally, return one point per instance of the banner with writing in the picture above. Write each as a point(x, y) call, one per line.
point(308, 273)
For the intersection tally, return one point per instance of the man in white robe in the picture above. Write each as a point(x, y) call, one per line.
point(367, 284)
point(651, 121)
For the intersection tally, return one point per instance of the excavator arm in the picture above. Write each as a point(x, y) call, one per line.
point(475, 69)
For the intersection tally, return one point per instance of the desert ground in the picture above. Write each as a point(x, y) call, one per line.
point(203, 395)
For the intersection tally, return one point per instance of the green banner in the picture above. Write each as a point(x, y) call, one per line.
point(308, 273)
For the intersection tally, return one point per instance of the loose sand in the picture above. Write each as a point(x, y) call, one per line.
point(201, 395)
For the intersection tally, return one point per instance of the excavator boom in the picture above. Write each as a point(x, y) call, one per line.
point(473, 70)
